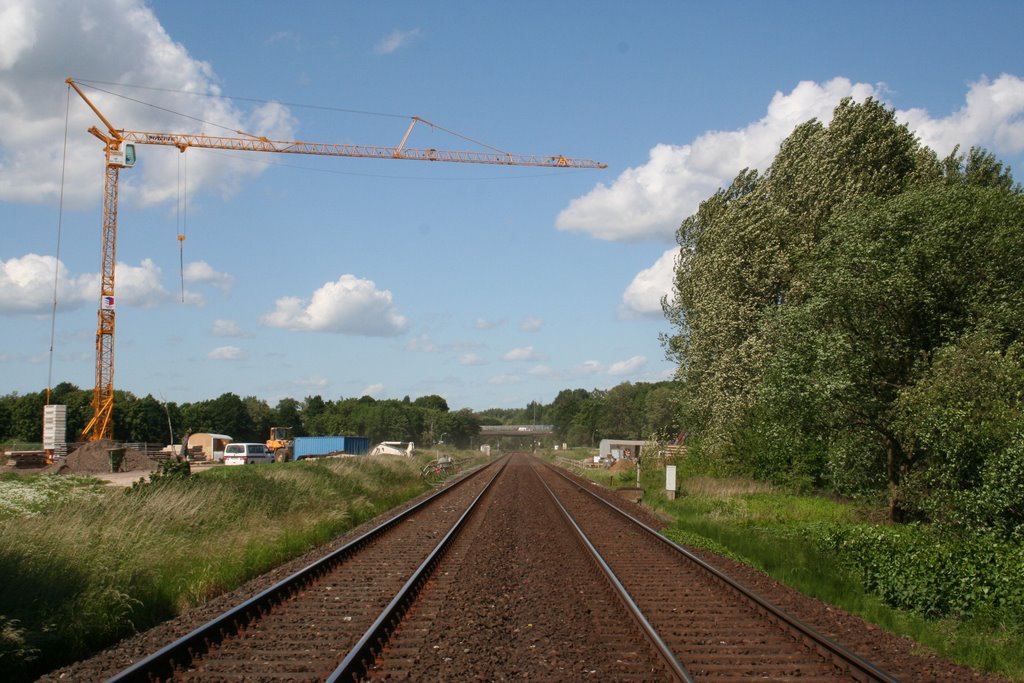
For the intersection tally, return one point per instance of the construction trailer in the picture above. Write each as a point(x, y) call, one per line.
point(207, 446)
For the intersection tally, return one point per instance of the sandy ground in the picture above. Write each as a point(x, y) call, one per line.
point(113, 478)
point(120, 478)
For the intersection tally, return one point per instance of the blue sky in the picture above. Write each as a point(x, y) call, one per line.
point(491, 286)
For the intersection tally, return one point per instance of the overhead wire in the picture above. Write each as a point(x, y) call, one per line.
point(165, 109)
point(240, 99)
point(56, 262)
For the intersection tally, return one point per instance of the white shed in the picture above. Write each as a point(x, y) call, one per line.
point(620, 448)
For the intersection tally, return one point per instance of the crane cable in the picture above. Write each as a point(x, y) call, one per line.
point(182, 216)
point(56, 263)
point(91, 84)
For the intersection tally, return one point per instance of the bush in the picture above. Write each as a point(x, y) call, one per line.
point(917, 568)
point(962, 422)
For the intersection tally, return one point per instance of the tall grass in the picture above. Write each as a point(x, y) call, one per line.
point(82, 570)
point(780, 533)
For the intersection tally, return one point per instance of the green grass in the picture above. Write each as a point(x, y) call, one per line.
point(779, 533)
point(84, 565)
point(22, 495)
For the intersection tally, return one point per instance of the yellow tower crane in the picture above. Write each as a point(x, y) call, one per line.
point(119, 149)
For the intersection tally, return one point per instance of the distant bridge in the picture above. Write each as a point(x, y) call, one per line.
point(517, 430)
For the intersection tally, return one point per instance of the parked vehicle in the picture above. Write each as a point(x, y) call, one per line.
point(281, 444)
point(394, 448)
point(247, 454)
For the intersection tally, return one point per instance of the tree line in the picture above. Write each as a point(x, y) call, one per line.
point(580, 417)
point(851, 319)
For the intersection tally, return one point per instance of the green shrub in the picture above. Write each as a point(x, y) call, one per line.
point(964, 428)
point(917, 568)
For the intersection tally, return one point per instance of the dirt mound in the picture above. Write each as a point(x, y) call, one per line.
point(93, 458)
point(623, 465)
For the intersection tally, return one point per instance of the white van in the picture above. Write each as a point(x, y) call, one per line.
point(247, 454)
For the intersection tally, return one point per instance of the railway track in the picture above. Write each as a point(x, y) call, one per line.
point(716, 628)
point(303, 626)
point(518, 571)
point(520, 596)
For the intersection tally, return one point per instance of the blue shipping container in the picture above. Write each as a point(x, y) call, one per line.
point(312, 446)
point(357, 445)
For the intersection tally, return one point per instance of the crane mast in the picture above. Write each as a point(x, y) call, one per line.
point(119, 153)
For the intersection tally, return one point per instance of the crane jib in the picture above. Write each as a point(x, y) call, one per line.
point(120, 153)
point(258, 144)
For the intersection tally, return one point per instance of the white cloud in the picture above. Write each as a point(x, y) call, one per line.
point(502, 380)
point(422, 344)
point(17, 32)
point(589, 367)
point(142, 286)
point(289, 37)
point(650, 201)
point(351, 305)
point(373, 390)
point(628, 366)
point(118, 41)
point(642, 298)
point(312, 382)
point(27, 284)
point(541, 371)
point(226, 353)
point(991, 117)
point(201, 272)
point(227, 328)
point(483, 324)
point(395, 40)
point(523, 353)
point(531, 324)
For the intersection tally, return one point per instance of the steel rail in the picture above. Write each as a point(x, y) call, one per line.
point(858, 667)
point(162, 663)
point(678, 671)
point(362, 655)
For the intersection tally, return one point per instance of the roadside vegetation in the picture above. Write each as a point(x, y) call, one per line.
point(847, 322)
point(424, 420)
point(850, 321)
point(960, 597)
point(84, 565)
